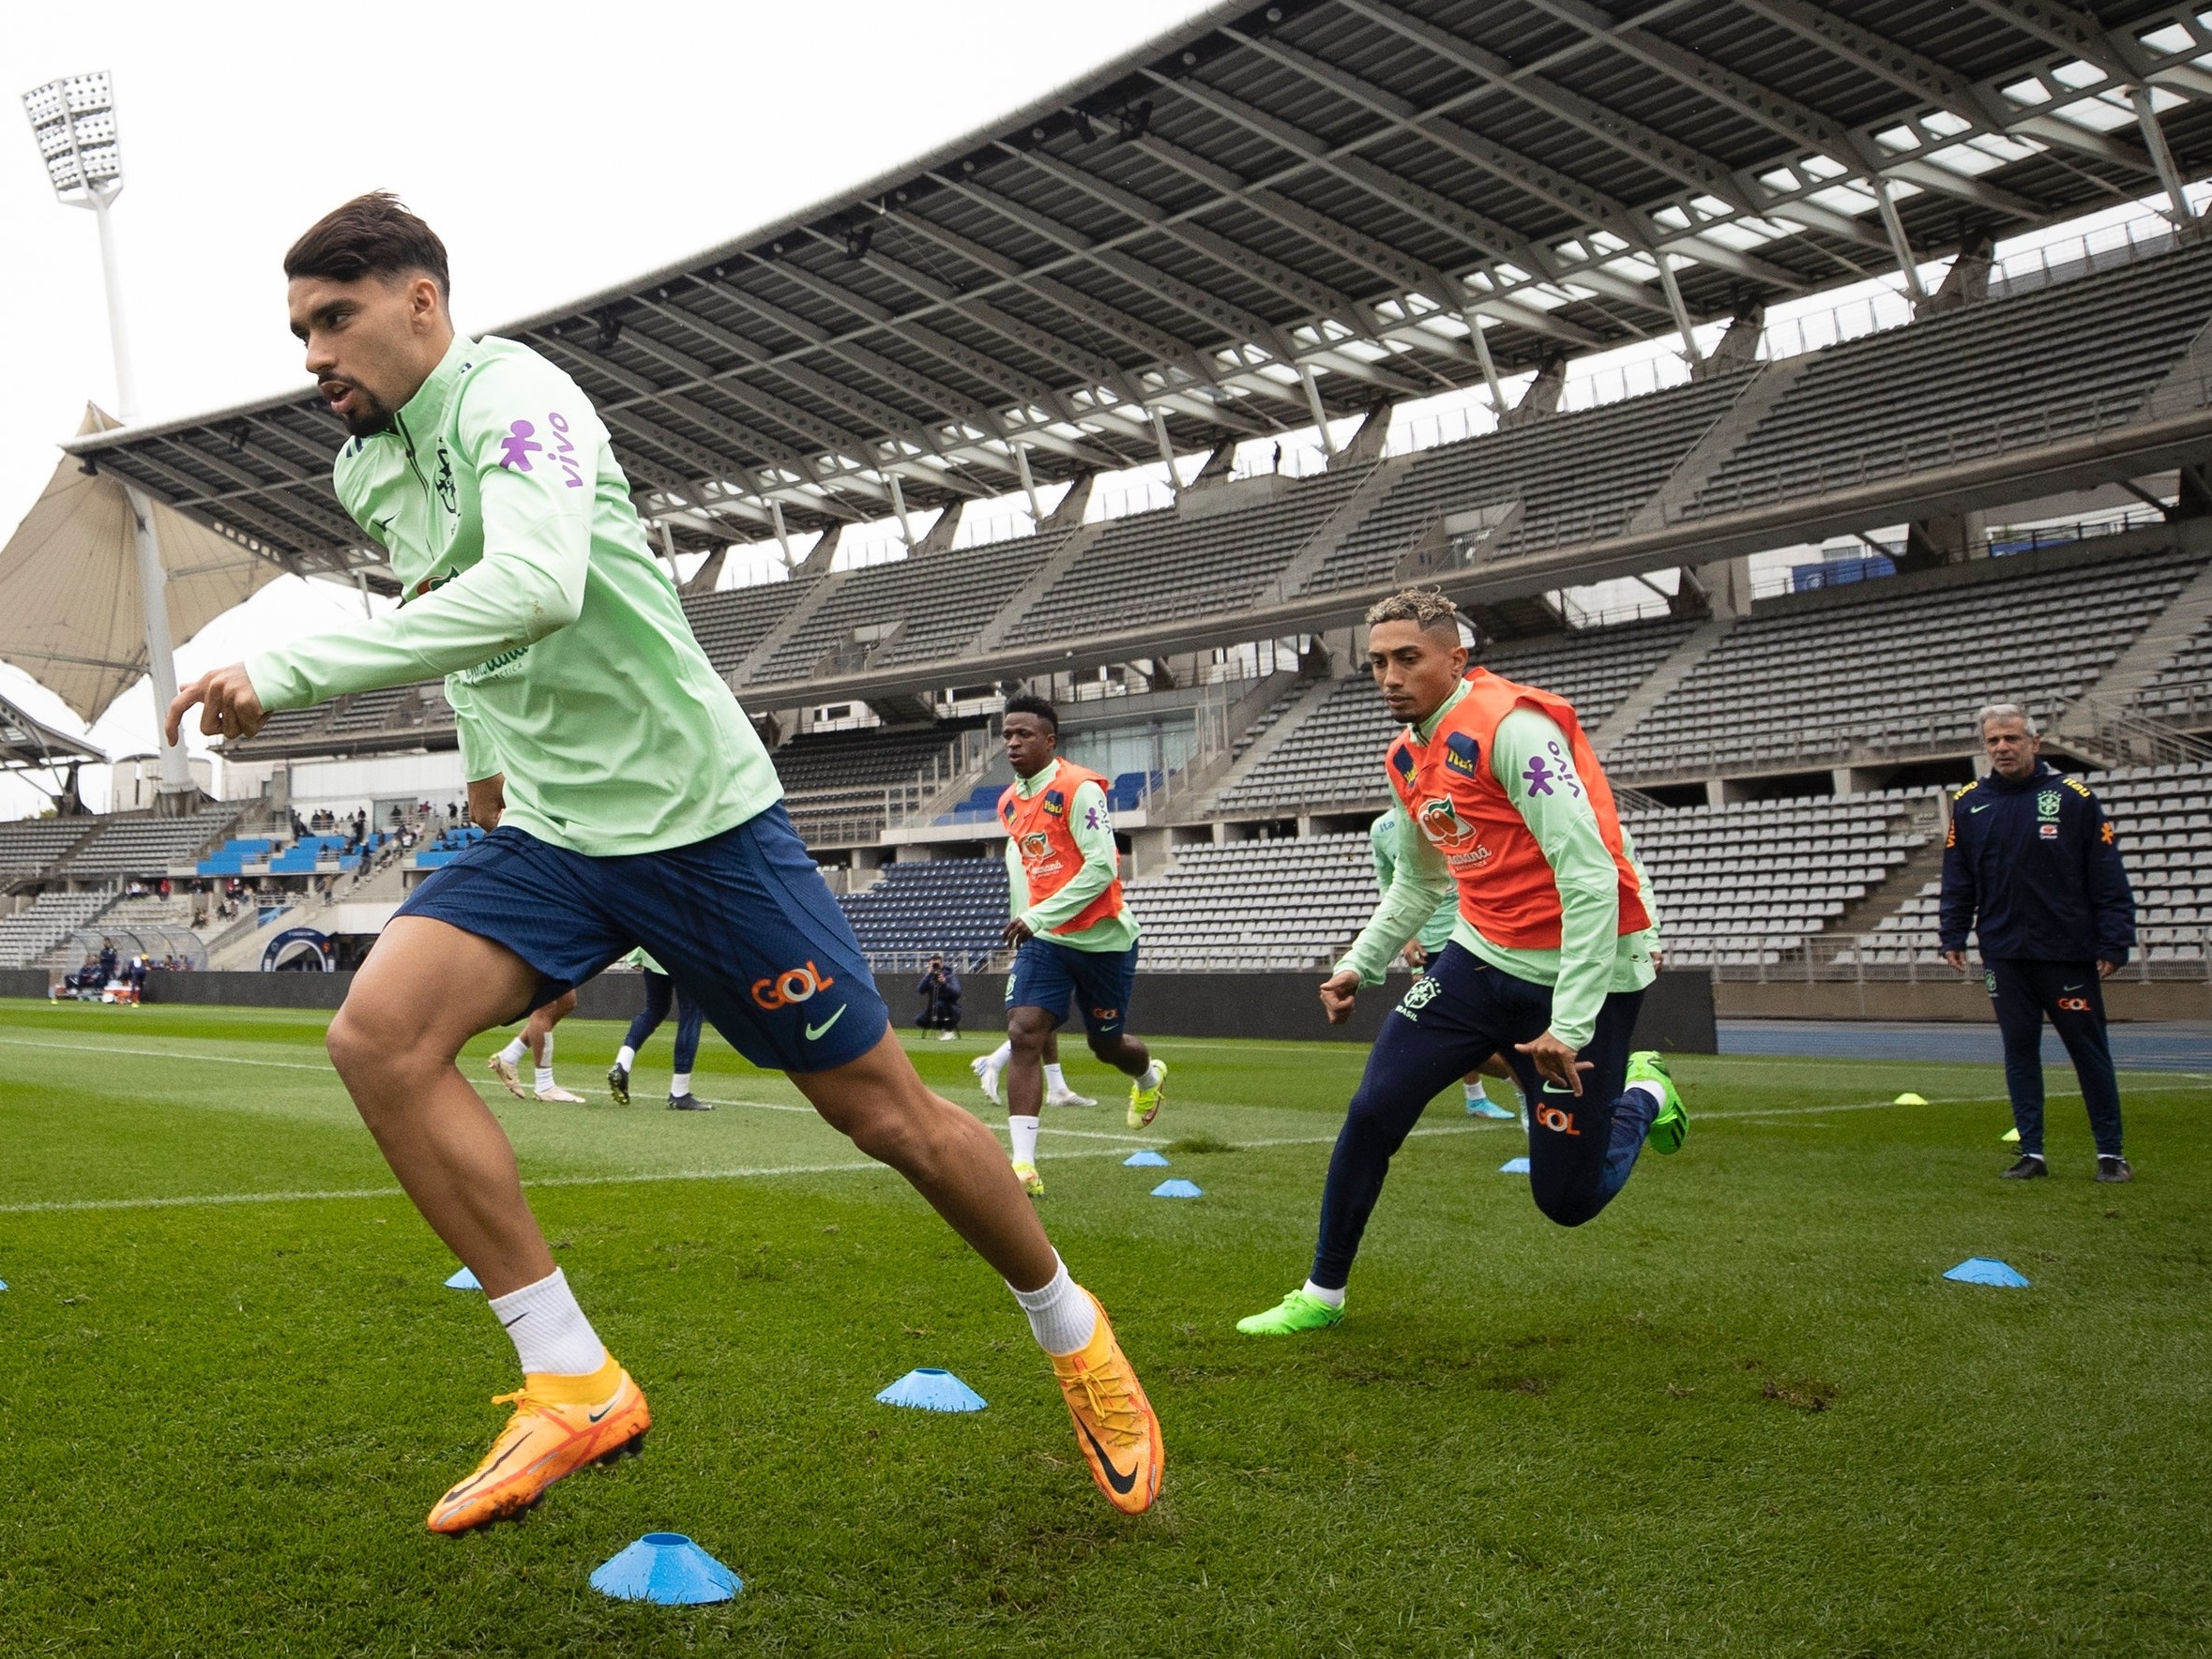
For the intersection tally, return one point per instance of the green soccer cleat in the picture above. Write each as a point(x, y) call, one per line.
point(1032, 1182)
point(1297, 1312)
point(1145, 1103)
point(1672, 1127)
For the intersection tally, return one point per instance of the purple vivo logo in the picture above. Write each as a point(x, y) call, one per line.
point(518, 446)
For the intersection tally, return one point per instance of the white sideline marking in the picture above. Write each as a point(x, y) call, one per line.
point(165, 1054)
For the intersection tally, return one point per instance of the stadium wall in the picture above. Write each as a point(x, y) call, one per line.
point(1677, 1012)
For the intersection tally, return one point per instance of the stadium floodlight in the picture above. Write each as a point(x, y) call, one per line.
point(73, 122)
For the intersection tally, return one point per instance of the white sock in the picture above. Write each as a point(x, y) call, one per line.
point(1334, 1298)
point(512, 1053)
point(1023, 1133)
point(544, 1078)
point(679, 1084)
point(1152, 1076)
point(1054, 1080)
point(1060, 1315)
point(1474, 1093)
point(1001, 1055)
point(625, 1057)
point(1652, 1093)
point(549, 1332)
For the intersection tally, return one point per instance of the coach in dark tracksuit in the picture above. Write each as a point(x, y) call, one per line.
point(2031, 867)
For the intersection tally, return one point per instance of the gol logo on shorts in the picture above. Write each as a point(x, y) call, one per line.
point(1555, 1120)
point(794, 984)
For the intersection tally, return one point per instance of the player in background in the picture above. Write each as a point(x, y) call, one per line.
point(537, 1038)
point(1424, 948)
point(660, 992)
point(1498, 789)
point(642, 811)
point(989, 1068)
point(1076, 939)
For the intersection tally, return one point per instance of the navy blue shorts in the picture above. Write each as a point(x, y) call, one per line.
point(742, 921)
point(1049, 976)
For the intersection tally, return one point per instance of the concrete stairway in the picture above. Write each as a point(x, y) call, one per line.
point(1678, 666)
point(1265, 744)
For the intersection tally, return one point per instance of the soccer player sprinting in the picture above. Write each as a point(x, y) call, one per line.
point(536, 1039)
point(662, 992)
point(1075, 937)
point(1499, 791)
point(1424, 948)
point(643, 812)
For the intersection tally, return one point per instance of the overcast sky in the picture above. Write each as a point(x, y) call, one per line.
point(558, 147)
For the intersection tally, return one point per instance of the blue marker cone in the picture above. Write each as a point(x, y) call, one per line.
point(1178, 1189)
point(1982, 1269)
point(1147, 1159)
point(667, 1568)
point(929, 1389)
point(463, 1280)
point(1513, 1167)
point(3, 1284)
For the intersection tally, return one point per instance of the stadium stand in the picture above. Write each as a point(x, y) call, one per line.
point(1334, 756)
point(1577, 477)
point(1972, 382)
point(30, 845)
point(1152, 566)
point(2181, 692)
point(1266, 904)
point(956, 906)
point(140, 844)
point(934, 604)
point(729, 623)
point(1748, 881)
point(1902, 663)
point(29, 934)
point(841, 786)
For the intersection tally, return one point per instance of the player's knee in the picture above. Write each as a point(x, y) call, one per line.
point(1107, 1046)
point(1028, 1036)
point(1568, 1206)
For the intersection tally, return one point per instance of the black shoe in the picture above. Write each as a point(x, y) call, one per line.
point(2111, 1166)
point(2030, 1168)
point(688, 1103)
point(618, 1085)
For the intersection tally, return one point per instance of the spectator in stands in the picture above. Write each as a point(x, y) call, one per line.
point(939, 989)
point(2030, 867)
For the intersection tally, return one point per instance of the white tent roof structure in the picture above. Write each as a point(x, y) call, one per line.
point(71, 614)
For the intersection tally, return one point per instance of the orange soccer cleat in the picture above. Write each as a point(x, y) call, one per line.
point(560, 1425)
point(1113, 1421)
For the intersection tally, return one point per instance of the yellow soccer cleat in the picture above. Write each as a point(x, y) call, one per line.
point(1032, 1182)
point(1145, 1103)
point(503, 1070)
point(1113, 1421)
point(560, 1425)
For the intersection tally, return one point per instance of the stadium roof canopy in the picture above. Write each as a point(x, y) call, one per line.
point(1277, 209)
point(30, 744)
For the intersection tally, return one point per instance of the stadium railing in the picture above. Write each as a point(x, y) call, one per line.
point(2162, 954)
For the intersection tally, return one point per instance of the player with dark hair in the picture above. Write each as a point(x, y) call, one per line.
point(1076, 939)
point(642, 811)
point(1498, 791)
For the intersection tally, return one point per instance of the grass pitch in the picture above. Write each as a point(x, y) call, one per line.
point(1739, 1414)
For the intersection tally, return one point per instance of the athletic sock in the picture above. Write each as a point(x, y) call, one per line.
point(625, 1057)
point(1023, 1133)
point(1061, 1316)
point(545, 1079)
point(1054, 1080)
point(1475, 1094)
point(1152, 1076)
point(680, 1085)
point(1652, 1093)
point(512, 1053)
point(550, 1331)
point(1321, 1293)
point(1001, 1055)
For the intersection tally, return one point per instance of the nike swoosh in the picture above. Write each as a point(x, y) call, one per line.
point(595, 1416)
point(1121, 1483)
point(813, 1032)
point(2066, 987)
point(1983, 808)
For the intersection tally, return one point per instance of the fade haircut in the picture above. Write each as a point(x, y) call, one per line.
point(1429, 610)
point(371, 235)
point(1027, 702)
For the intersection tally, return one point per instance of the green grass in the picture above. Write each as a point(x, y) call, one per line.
point(1739, 1414)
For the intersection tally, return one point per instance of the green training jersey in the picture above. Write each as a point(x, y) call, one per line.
point(526, 581)
point(1382, 840)
point(1091, 825)
point(1593, 958)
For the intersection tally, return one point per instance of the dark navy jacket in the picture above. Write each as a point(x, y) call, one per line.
point(2033, 866)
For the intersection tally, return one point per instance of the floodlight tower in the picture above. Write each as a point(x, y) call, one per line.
point(73, 120)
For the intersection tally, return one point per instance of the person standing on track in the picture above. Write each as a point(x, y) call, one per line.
point(643, 812)
point(1076, 938)
point(1498, 791)
point(2030, 867)
point(662, 992)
